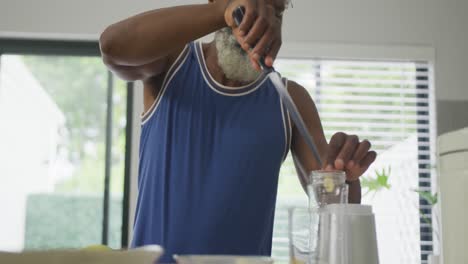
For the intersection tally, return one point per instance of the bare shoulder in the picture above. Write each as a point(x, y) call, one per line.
point(300, 96)
point(295, 88)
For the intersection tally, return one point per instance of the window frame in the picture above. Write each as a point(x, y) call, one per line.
point(402, 53)
point(44, 47)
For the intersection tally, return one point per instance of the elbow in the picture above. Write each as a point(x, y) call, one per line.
point(108, 44)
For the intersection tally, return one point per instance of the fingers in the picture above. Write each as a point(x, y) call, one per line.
point(259, 32)
point(334, 147)
point(255, 64)
point(266, 37)
point(239, 39)
point(249, 18)
point(270, 43)
point(271, 55)
point(359, 154)
point(358, 169)
point(263, 44)
point(256, 32)
point(368, 159)
point(346, 152)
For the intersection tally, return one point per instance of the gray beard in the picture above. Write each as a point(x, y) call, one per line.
point(233, 60)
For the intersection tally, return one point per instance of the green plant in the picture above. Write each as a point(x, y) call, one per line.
point(55, 221)
point(432, 200)
point(377, 183)
point(428, 196)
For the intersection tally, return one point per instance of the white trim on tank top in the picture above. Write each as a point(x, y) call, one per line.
point(202, 60)
point(167, 79)
point(289, 124)
point(285, 152)
point(289, 118)
point(286, 124)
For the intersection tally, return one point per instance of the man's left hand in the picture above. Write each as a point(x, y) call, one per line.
point(349, 154)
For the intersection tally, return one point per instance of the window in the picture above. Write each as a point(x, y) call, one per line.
point(389, 103)
point(63, 138)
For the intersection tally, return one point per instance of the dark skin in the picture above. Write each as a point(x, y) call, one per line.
point(134, 50)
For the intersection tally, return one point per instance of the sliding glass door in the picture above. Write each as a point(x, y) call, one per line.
point(62, 147)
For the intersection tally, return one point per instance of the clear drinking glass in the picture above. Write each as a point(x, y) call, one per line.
point(299, 222)
point(327, 187)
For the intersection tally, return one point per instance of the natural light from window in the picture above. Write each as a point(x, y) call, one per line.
point(389, 104)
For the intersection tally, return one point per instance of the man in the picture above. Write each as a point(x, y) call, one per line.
point(214, 132)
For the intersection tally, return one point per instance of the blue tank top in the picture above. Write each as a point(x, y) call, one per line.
point(210, 156)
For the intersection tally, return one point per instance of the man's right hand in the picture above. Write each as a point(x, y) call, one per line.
point(259, 34)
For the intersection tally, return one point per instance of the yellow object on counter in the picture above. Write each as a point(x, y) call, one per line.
point(97, 248)
point(96, 254)
point(297, 261)
point(328, 183)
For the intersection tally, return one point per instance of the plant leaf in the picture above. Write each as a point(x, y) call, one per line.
point(378, 183)
point(428, 196)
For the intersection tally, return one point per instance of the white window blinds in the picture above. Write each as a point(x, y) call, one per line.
point(385, 102)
